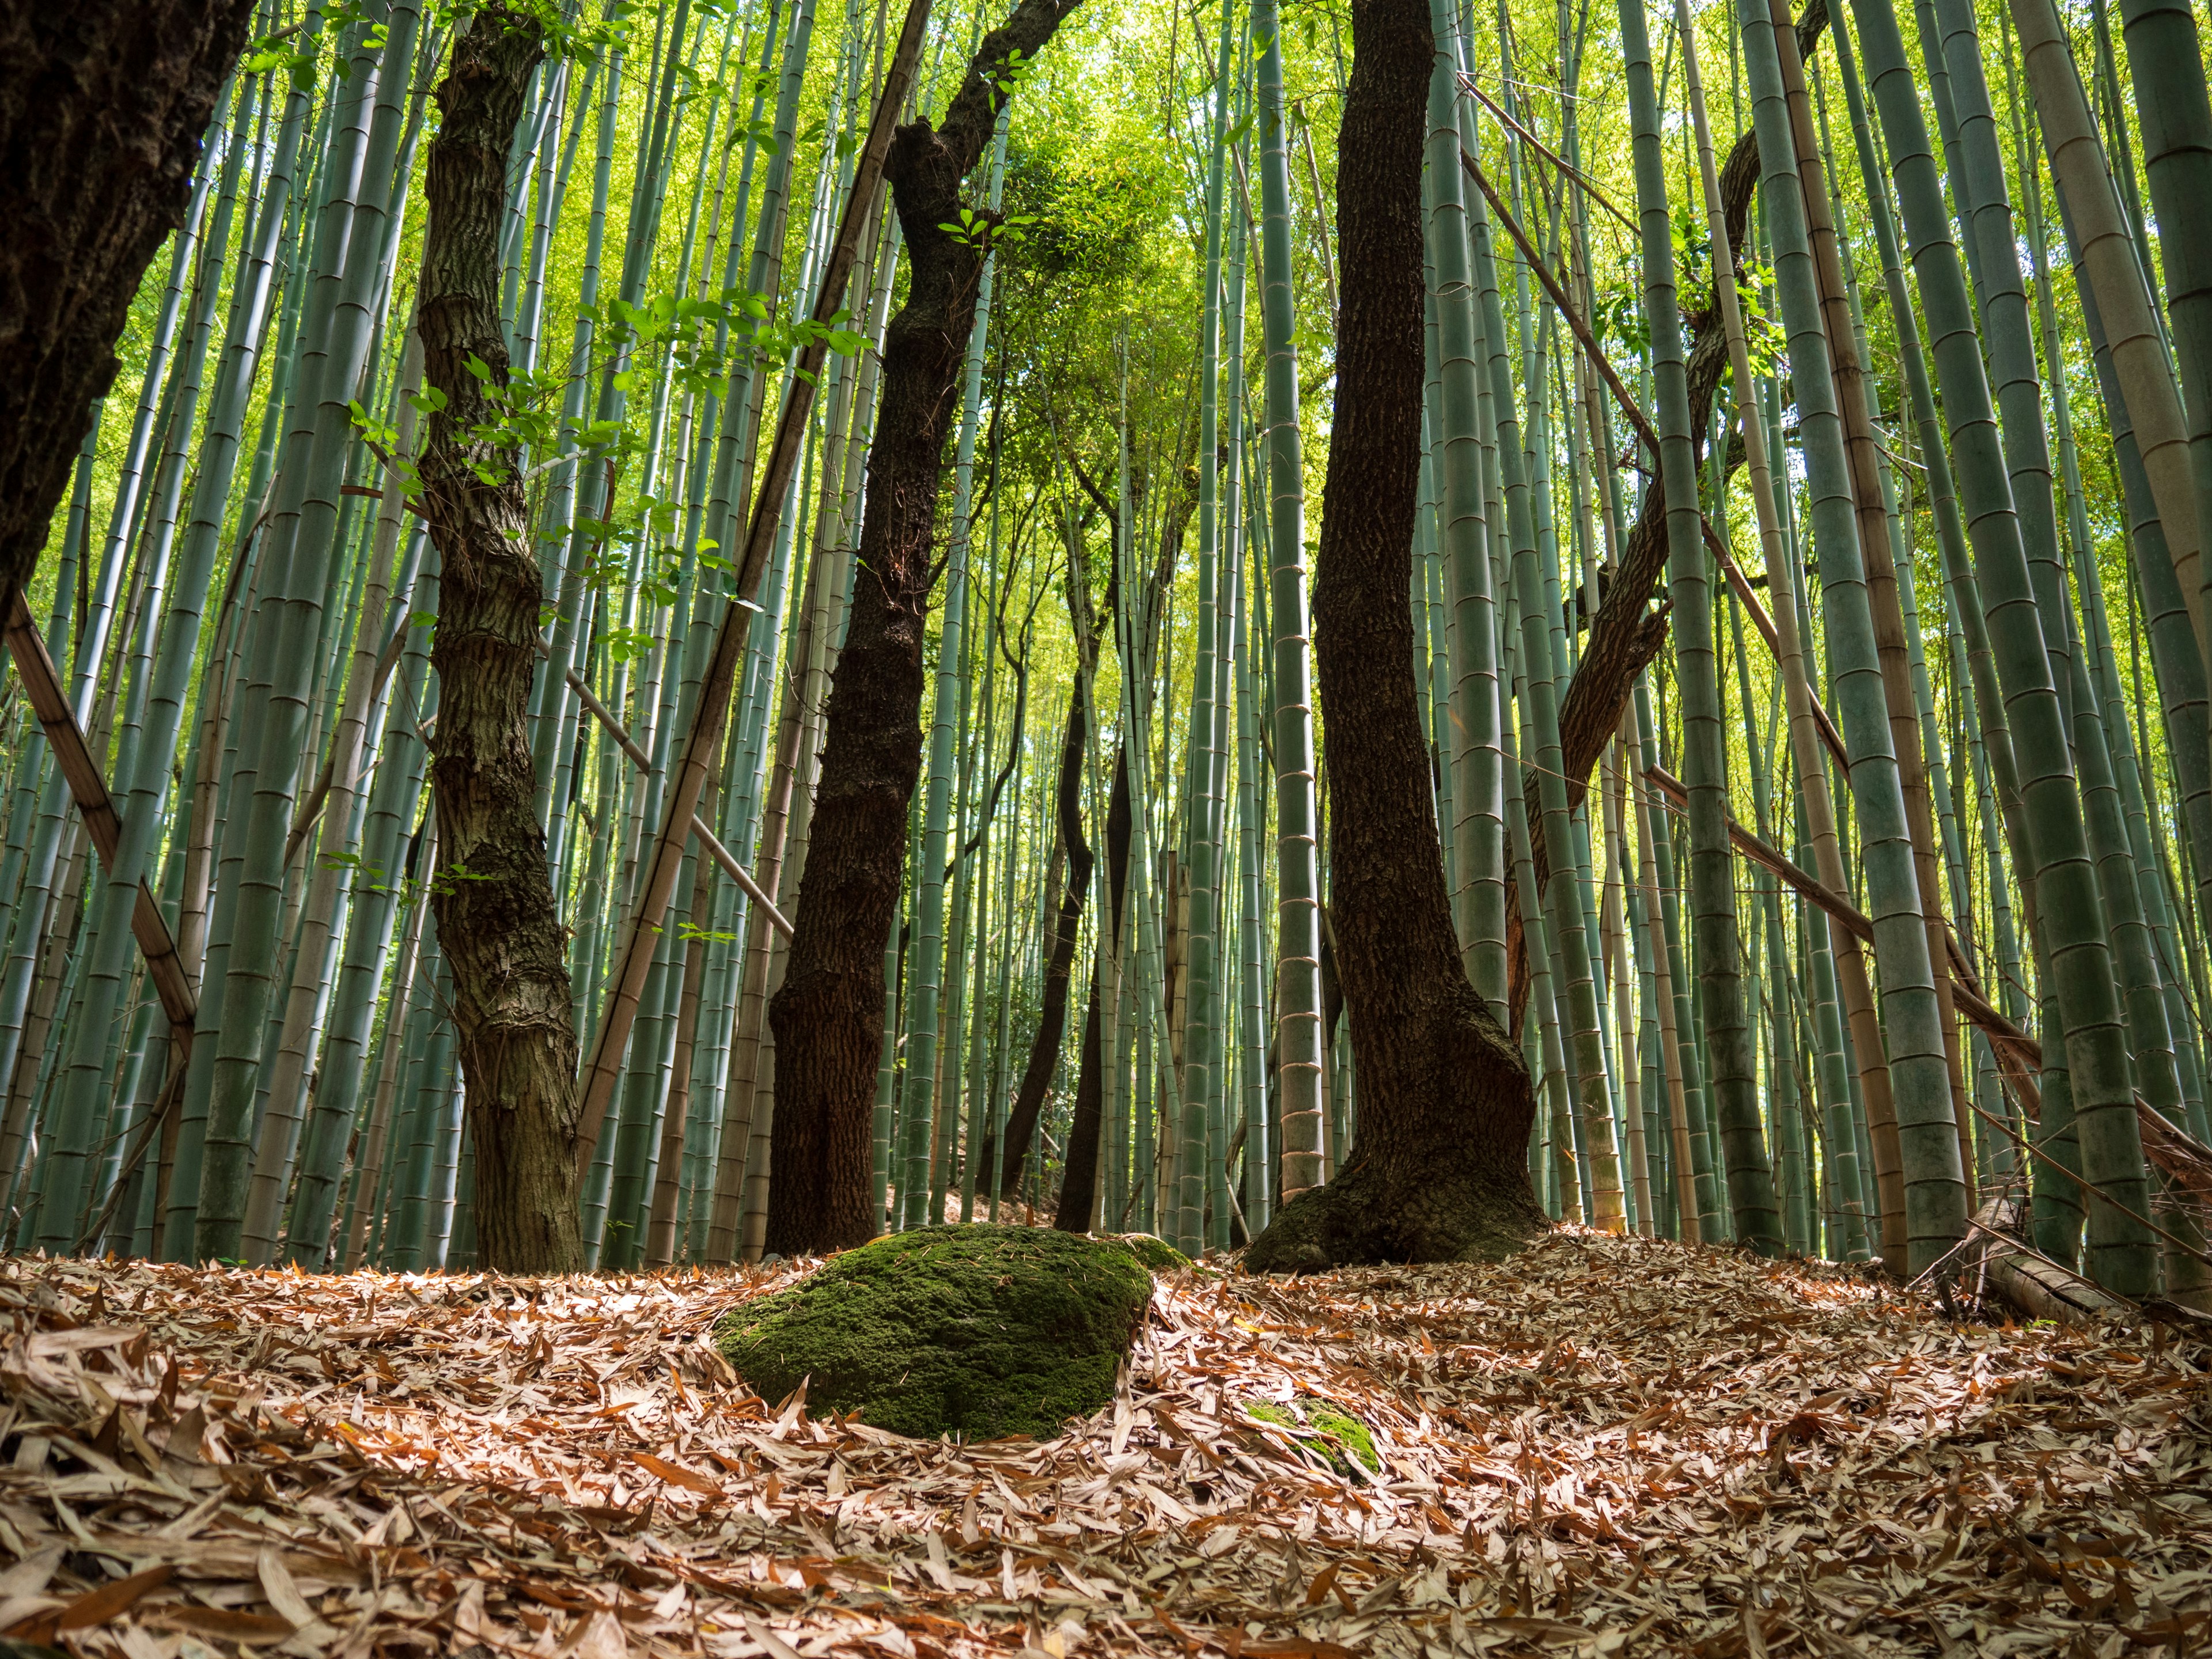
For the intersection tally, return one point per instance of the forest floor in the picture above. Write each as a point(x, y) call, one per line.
point(1604, 1447)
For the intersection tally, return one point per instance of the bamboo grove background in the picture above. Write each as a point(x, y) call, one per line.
point(1919, 932)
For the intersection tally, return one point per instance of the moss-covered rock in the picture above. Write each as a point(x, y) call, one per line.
point(1332, 1436)
point(1155, 1252)
point(979, 1331)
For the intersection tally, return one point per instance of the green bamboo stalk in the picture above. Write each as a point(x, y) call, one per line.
point(1477, 840)
point(2007, 342)
point(1558, 1177)
point(1696, 1089)
point(2072, 924)
point(1935, 1194)
point(1252, 1011)
point(982, 847)
point(1229, 603)
point(302, 530)
point(2165, 67)
point(2110, 262)
point(1618, 957)
point(1726, 1026)
point(1297, 915)
point(1201, 839)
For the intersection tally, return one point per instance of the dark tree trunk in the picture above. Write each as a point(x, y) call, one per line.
point(1079, 1174)
point(829, 1015)
point(1438, 1170)
point(1078, 1166)
point(1051, 1012)
point(102, 106)
point(497, 921)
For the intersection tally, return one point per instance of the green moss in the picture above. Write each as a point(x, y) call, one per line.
point(1350, 1434)
point(1331, 1436)
point(979, 1331)
point(1155, 1252)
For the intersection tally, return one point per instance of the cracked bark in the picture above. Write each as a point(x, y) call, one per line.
point(492, 894)
point(829, 1015)
point(102, 106)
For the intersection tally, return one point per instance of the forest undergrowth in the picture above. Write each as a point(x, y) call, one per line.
point(1604, 1446)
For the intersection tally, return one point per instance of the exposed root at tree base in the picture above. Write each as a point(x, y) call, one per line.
point(1452, 1210)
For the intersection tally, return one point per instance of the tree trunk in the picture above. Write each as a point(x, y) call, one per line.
point(1051, 1012)
point(1080, 1176)
point(827, 1016)
point(1438, 1170)
point(102, 104)
point(497, 923)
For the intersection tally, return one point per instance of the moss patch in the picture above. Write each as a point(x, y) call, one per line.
point(1154, 1252)
point(976, 1330)
point(1327, 1433)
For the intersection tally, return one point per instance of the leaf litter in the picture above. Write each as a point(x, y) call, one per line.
point(1604, 1446)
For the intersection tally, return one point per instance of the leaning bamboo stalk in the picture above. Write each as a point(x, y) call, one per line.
point(2109, 262)
point(75, 766)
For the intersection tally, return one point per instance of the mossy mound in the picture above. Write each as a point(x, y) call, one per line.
point(1154, 1252)
point(1327, 1433)
point(979, 1331)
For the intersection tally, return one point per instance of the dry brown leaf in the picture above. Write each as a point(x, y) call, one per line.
point(1604, 1446)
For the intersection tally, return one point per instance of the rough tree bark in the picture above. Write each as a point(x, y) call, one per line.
point(1437, 1169)
point(1052, 1009)
point(102, 105)
point(491, 894)
point(1079, 1173)
point(829, 1015)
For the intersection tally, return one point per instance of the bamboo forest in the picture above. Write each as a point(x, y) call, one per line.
point(1010, 828)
